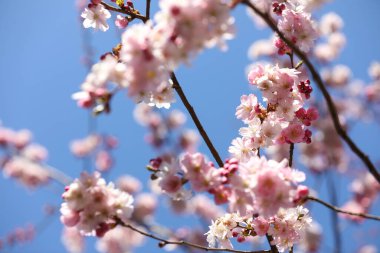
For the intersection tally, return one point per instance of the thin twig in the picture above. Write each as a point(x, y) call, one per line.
point(291, 151)
point(58, 175)
point(124, 11)
point(273, 248)
point(194, 116)
point(339, 210)
point(164, 242)
point(178, 89)
point(317, 78)
point(334, 215)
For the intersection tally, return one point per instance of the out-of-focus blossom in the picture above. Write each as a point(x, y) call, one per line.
point(120, 240)
point(91, 206)
point(22, 159)
point(72, 240)
point(129, 184)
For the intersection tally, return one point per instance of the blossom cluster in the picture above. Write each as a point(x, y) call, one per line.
point(144, 206)
point(366, 190)
point(372, 91)
point(99, 146)
point(22, 159)
point(293, 20)
point(18, 235)
point(120, 240)
point(296, 25)
point(149, 52)
point(258, 186)
point(283, 120)
point(93, 207)
point(327, 151)
point(330, 27)
point(73, 240)
point(286, 227)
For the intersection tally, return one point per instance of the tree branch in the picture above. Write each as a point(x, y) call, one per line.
point(291, 151)
point(147, 10)
point(334, 215)
point(124, 11)
point(194, 116)
point(317, 78)
point(163, 242)
point(339, 210)
point(273, 248)
point(58, 175)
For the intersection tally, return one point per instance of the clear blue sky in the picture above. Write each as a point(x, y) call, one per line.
point(40, 51)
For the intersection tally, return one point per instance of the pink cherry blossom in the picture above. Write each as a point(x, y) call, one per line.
point(121, 22)
point(91, 205)
point(260, 225)
point(95, 16)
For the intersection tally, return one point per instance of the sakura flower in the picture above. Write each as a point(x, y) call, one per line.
point(271, 192)
point(115, 240)
point(330, 23)
point(145, 206)
point(294, 133)
point(260, 225)
point(369, 248)
point(26, 171)
point(92, 206)
point(312, 237)
point(283, 119)
point(121, 22)
point(129, 184)
point(289, 226)
point(72, 240)
point(203, 206)
point(297, 25)
point(220, 230)
point(374, 70)
point(248, 108)
point(242, 149)
point(96, 16)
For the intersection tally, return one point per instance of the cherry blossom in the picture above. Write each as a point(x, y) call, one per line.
point(119, 240)
point(92, 206)
point(296, 24)
point(72, 240)
point(287, 227)
point(95, 16)
point(22, 159)
point(150, 51)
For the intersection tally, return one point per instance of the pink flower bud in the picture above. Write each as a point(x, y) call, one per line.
point(241, 239)
point(121, 22)
point(302, 191)
point(70, 218)
point(102, 230)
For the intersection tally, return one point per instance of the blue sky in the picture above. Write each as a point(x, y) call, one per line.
point(40, 52)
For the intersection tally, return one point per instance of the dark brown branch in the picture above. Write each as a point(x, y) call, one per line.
point(124, 11)
point(291, 151)
point(164, 242)
point(317, 78)
point(273, 248)
point(177, 87)
point(339, 210)
point(194, 116)
point(147, 13)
